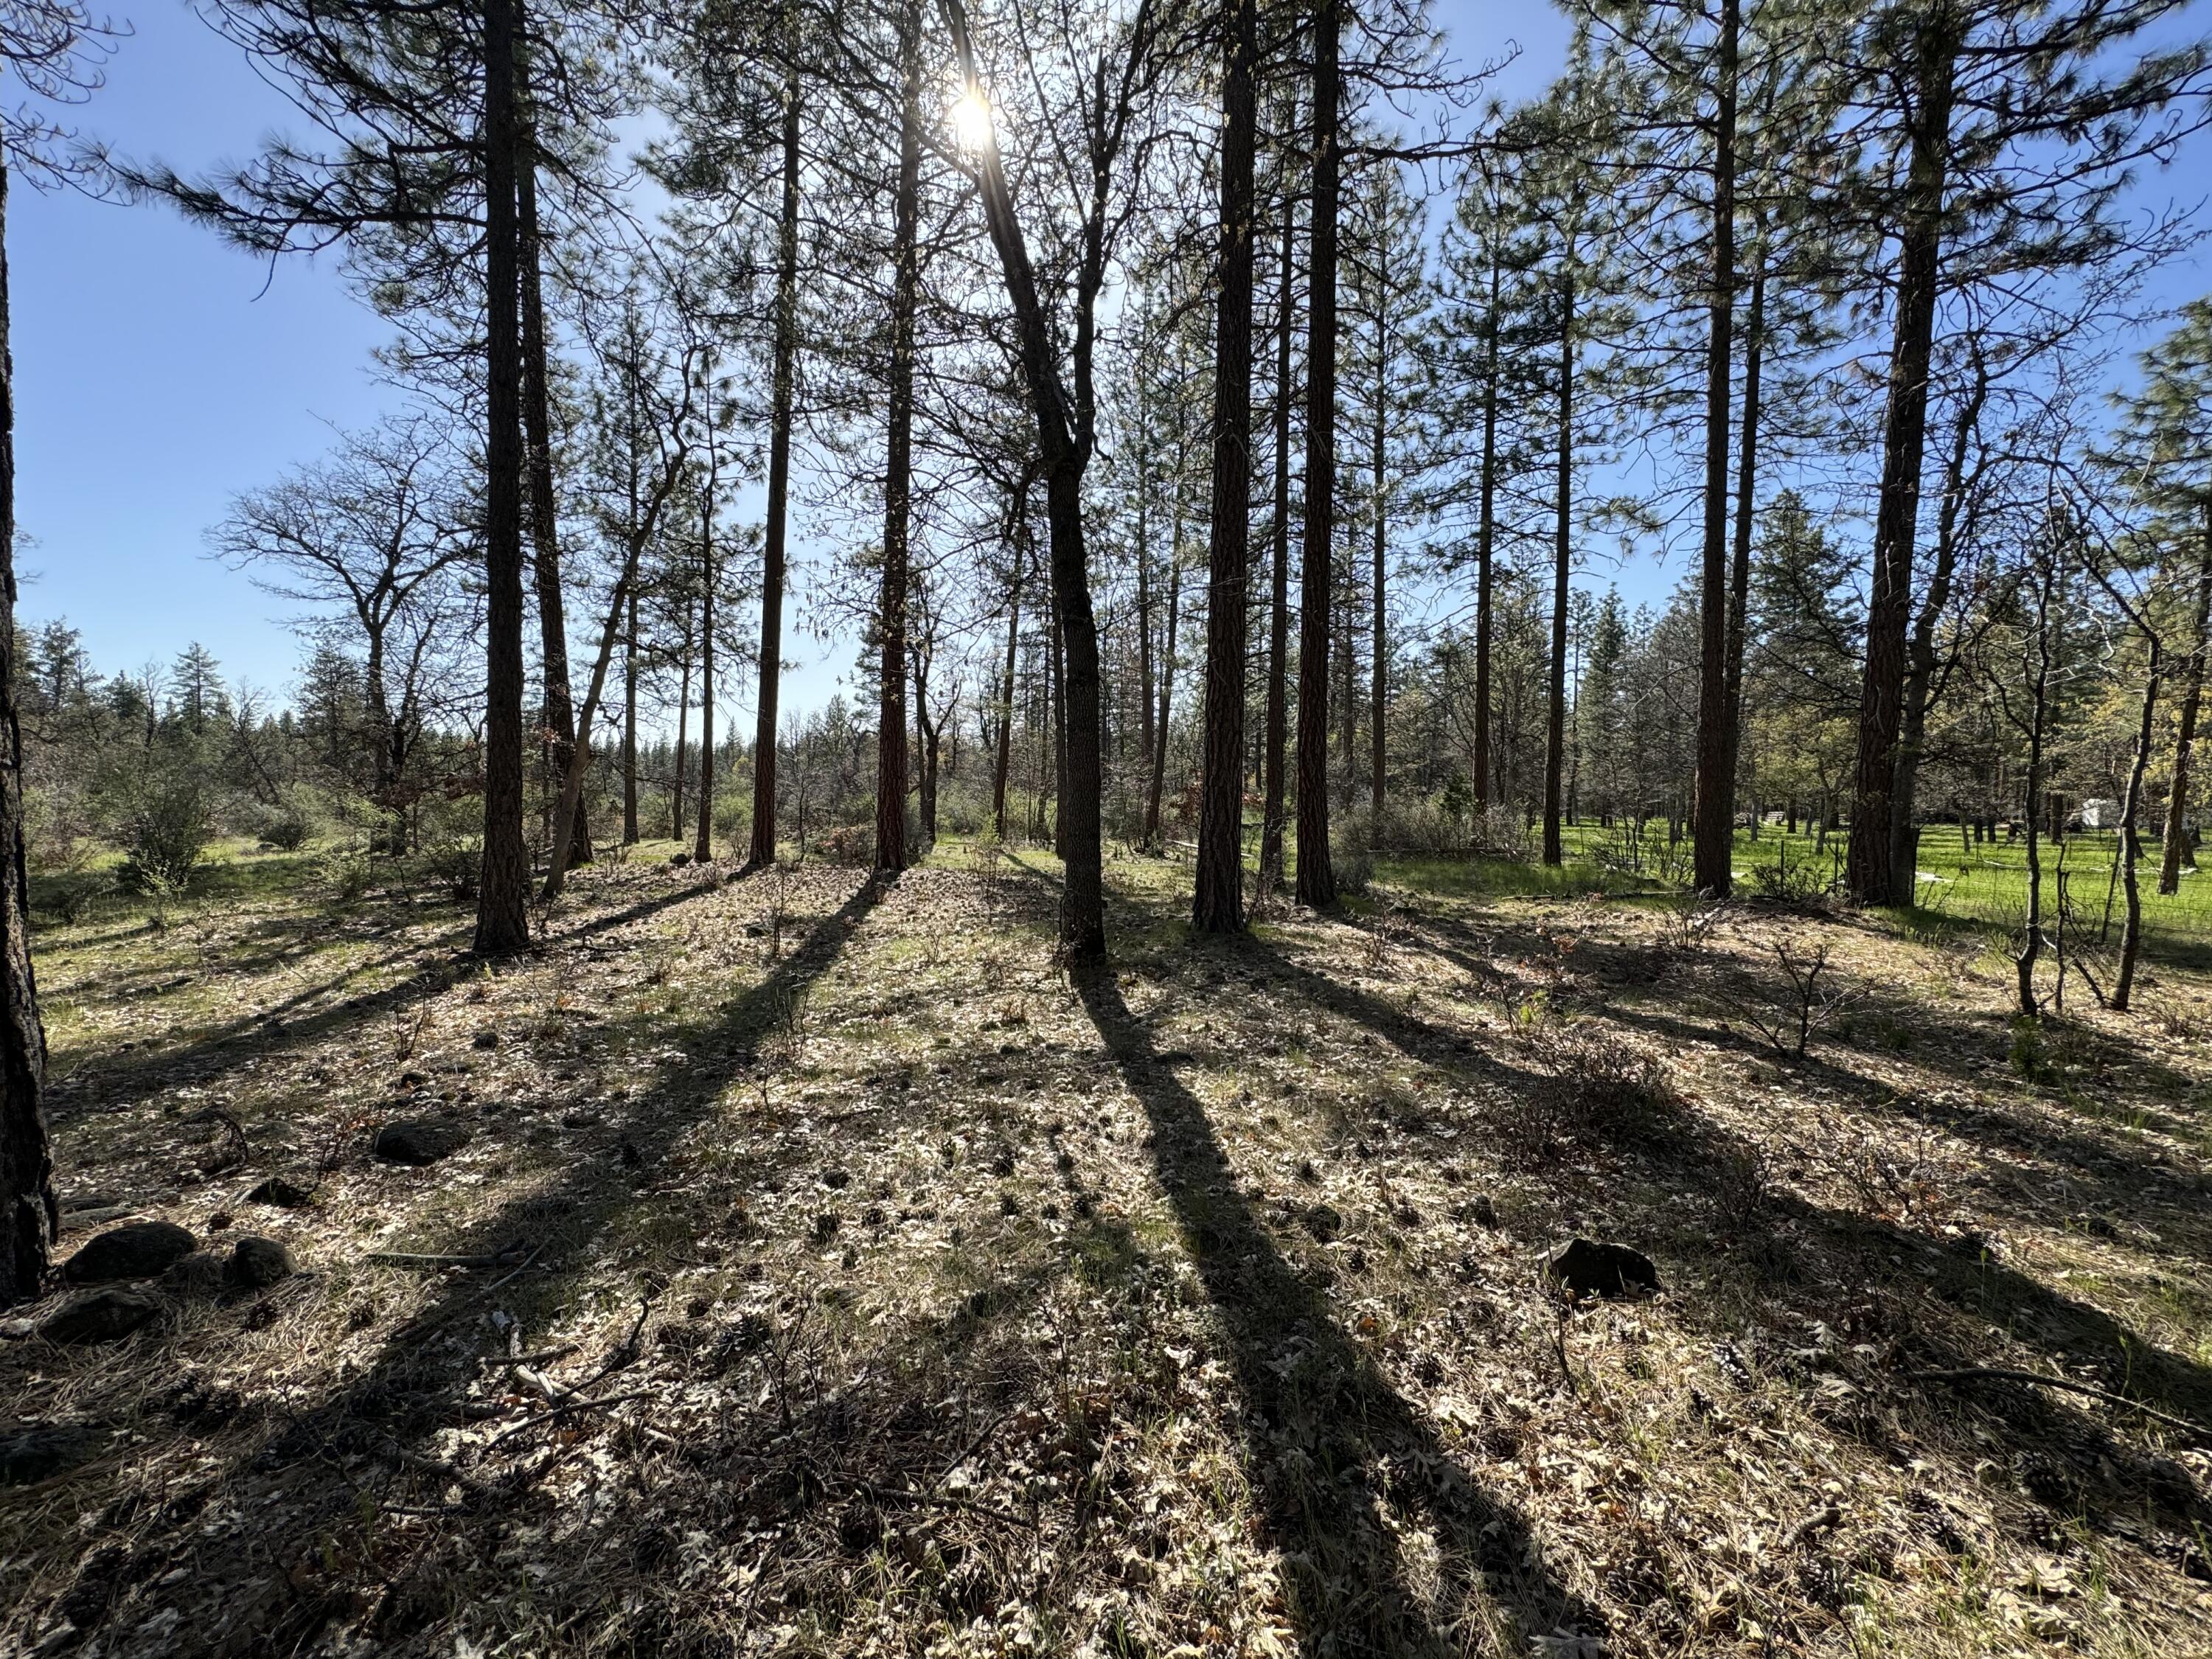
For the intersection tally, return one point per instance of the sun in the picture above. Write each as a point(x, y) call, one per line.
point(971, 119)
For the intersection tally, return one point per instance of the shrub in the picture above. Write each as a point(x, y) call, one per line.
point(1803, 885)
point(852, 844)
point(286, 827)
point(164, 821)
point(1604, 1085)
point(451, 863)
point(348, 870)
point(1355, 873)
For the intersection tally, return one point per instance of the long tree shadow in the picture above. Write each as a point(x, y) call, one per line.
point(1328, 1441)
point(307, 1474)
point(227, 1046)
point(1824, 1260)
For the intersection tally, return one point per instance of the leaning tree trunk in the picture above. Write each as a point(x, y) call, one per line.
point(544, 512)
point(1713, 850)
point(2131, 842)
point(899, 463)
point(2192, 694)
point(762, 851)
point(1063, 446)
point(1870, 866)
point(1218, 905)
point(503, 889)
point(1923, 658)
point(1555, 734)
point(1278, 597)
point(1316, 880)
point(29, 1217)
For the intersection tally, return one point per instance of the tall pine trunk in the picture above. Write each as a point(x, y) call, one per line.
point(762, 850)
point(1147, 687)
point(1279, 596)
point(542, 502)
point(29, 1217)
point(1158, 758)
point(682, 718)
point(2192, 694)
point(1316, 881)
point(1218, 905)
point(1004, 763)
point(1747, 494)
point(1485, 540)
point(1869, 862)
point(899, 463)
point(1920, 662)
point(629, 725)
point(1713, 849)
point(1555, 736)
point(503, 888)
point(703, 843)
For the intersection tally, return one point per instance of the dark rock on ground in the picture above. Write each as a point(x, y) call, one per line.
point(1584, 1267)
point(102, 1315)
point(281, 1191)
point(199, 1274)
point(257, 1263)
point(139, 1251)
point(40, 1452)
point(419, 1144)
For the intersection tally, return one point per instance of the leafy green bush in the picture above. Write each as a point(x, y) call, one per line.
point(288, 827)
point(164, 821)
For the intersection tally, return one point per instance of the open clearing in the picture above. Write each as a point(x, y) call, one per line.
point(853, 1280)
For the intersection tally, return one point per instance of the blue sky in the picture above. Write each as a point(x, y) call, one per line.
point(159, 372)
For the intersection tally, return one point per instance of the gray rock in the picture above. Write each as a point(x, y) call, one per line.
point(199, 1274)
point(419, 1144)
point(259, 1262)
point(1584, 1267)
point(140, 1250)
point(102, 1315)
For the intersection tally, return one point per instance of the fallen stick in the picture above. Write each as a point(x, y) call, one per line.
point(543, 1418)
point(1986, 1374)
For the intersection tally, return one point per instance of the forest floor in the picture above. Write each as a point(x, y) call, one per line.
point(849, 1278)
